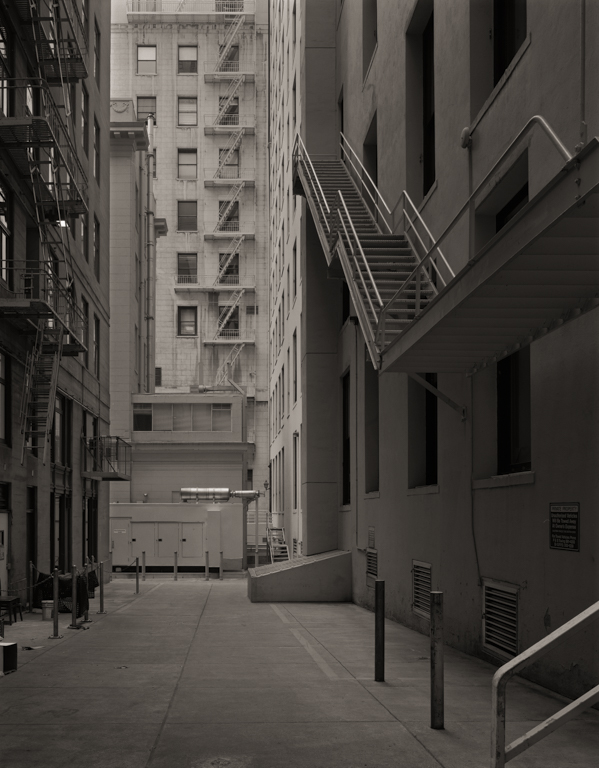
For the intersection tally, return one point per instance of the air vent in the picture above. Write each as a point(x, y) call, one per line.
point(295, 546)
point(251, 309)
point(421, 588)
point(500, 618)
point(372, 563)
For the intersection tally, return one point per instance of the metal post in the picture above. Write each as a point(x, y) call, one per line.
point(220, 567)
point(86, 615)
point(256, 556)
point(55, 591)
point(101, 580)
point(137, 575)
point(30, 586)
point(176, 565)
point(73, 624)
point(379, 631)
point(437, 693)
point(207, 565)
point(143, 565)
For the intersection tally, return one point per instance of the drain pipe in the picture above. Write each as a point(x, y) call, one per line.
point(150, 259)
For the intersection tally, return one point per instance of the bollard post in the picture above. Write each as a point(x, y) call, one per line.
point(143, 565)
point(86, 618)
point(55, 595)
point(437, 684)
point(379, 631)
point(207, 567)
point(101, 580)
point(31, 586)
point(137, 575)
point(73, 624)
point(220, 567)
point(175, 566)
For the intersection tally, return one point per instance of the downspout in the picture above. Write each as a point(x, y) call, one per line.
point(150, 261)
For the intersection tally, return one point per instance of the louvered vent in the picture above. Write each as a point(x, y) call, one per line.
point(372, 565)
point(500, 618)
point(421, 588)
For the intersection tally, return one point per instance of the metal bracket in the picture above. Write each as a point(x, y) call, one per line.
point(447, 400)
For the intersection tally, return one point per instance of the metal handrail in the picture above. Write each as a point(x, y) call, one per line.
point(427, 230)
point(376, 290)
point(306, 158)
point(191, 6)
point(500, 754)
point(344, 142)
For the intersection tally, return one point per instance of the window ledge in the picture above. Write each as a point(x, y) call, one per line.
point(503, 481)
point(372, 495)
point(345, 508)
point(423, 490)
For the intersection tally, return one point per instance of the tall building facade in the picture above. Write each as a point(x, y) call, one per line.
point(54, 286)
point(199, 69)
point(442, 292)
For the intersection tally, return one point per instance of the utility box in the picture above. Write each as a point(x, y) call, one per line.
point(8, 657)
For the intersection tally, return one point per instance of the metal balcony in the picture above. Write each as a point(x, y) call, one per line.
point(106, 458)
point(55, 29)
point(186, 11)
point(41, 147)
point(213, 282)
point(34, 292)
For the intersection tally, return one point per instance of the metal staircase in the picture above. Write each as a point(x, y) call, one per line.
point(227, 311)
point(224, 117)
point(224, 224)
point(389, 281)
point(277, 545)
point(234, 23)
point(224, 370)
point(227, 153)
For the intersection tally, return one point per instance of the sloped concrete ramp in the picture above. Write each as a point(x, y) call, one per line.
point(321, 578)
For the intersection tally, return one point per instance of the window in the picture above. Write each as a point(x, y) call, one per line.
point(371, 427)
point(187, 268)
point(85, 310)
point(230, 116)
point(422, 433)
point(230, 169)
point(187, 215)
point(231, 63)
point(142, 417)
point(295, 270)
point(221, 417)
point(188, 164)
point(188, 111)
point(228, 216)
point(187, 321)
point(369, 33)
point(5, 409)
point(249, 484)
point(228, 268)
point(513, 413)
point(84, 120)
point(231, 328)
point(136, 360)
point(5, 238)
point(346, 444)
point(96, 248)
point(96, 53)
point(428, 106)
point(96, 151)
point(146, 105)
point(188, 59)
point(155, 163)
point(295, 366)
point(295, 469)
point(83, 219)
point(509, 32)
point(5, 71)
point(157, 377)
point(96, 347)
point(146, 59)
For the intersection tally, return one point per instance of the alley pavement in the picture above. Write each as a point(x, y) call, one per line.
point(190, 674)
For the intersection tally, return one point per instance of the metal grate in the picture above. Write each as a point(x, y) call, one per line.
point(371, 537)
point(500, 618)
point(421, 588)
point(372, 563)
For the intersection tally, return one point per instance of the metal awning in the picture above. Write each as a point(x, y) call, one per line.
point(539, 272)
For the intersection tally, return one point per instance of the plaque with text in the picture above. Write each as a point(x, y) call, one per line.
point(564, 526)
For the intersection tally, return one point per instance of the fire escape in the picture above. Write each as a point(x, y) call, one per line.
point(38, 135)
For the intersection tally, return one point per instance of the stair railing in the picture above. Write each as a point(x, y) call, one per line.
point(301, 154)
point(500, 754)
point(349, 156)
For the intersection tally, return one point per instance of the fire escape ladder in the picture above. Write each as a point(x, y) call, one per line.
point(227, 153)
point(231, 93)
point(228, 310)
point(234, 24)
point(232, 251)
point(227, 208)
point(39, 389)
point(223, 372)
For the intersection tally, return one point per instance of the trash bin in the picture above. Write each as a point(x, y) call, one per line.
point(47, 612)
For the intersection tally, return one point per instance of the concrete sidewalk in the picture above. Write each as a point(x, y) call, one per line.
point(190, 674)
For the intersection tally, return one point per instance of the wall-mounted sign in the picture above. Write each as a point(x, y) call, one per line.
point(564, 526)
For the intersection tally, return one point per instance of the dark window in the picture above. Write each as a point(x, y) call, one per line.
point(228, 216)
point(188, 164)
point(428, 106)
point(231, 328)
point(84, 120)
point(5, 409)
point(509, 32)
point(96, 248)
point(228, 268)
point(511, 208)
point(295, 366)
point(187, 215)
point(83, 219)
point(369, 33)
point(142, 417)
point(85, 310)
point(513, 413)
point(422, 433)
point(146, 59)
point(157, 377)
point(96, 151)
point(96, 347)
point(230, 115)
point(187, 268)
point(187, 321)
point(371, 427)
point(97, 53)
point(346, 444)
point(146, 105)
point(250, 479)
point(188, 59)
